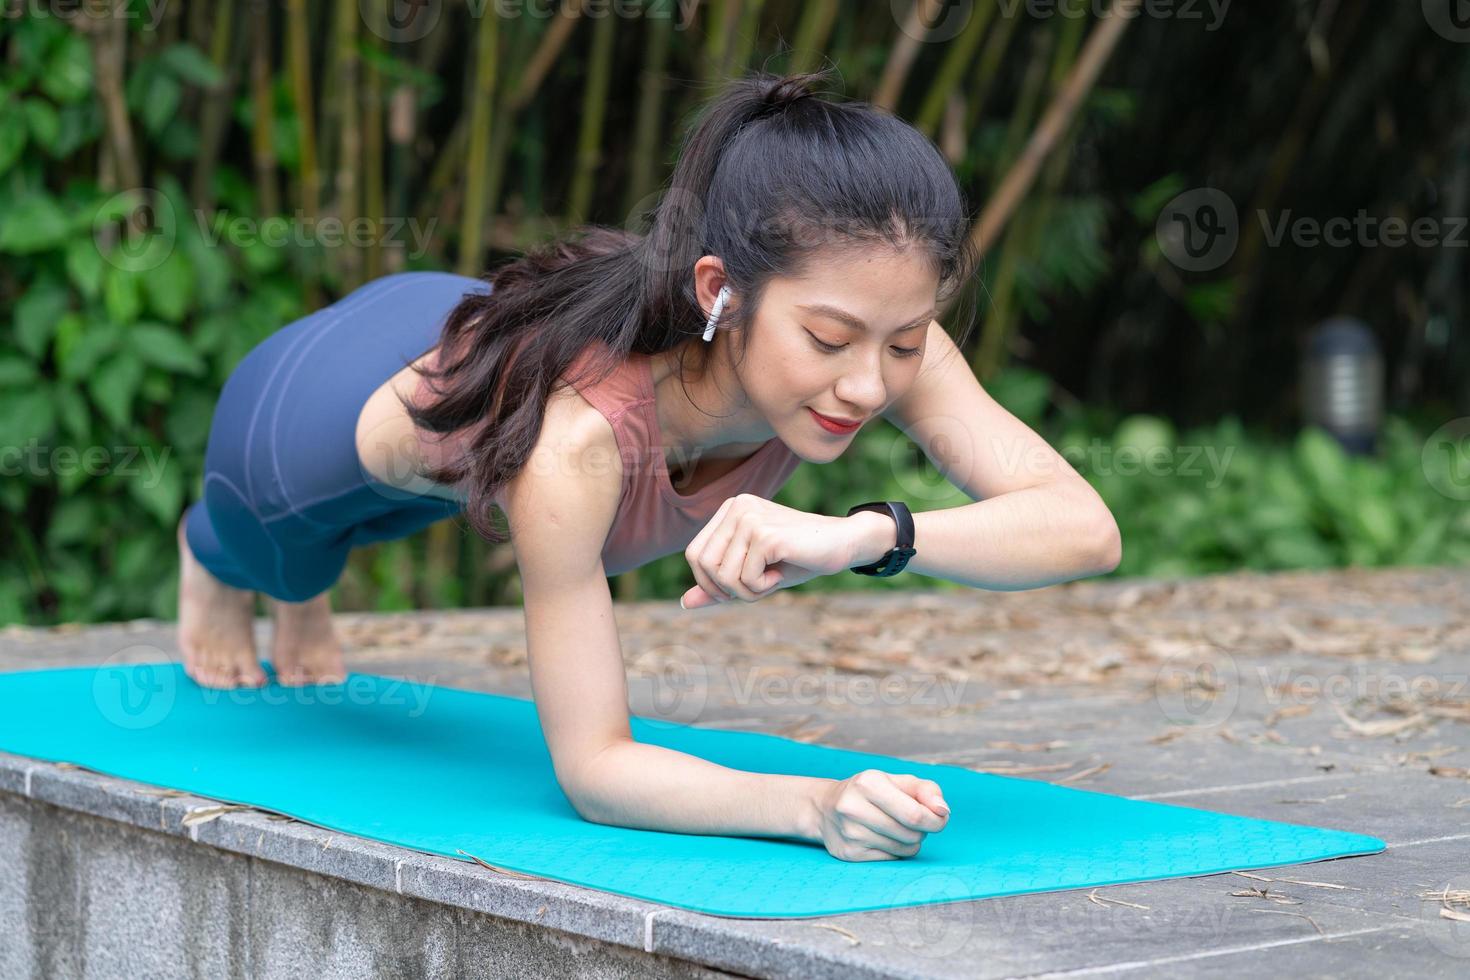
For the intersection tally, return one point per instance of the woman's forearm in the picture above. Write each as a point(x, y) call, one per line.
point(1024, 539)
point(634, 784)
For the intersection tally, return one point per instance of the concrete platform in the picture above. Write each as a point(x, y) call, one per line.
point(1340, 699)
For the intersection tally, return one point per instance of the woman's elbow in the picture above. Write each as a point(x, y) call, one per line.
point(1107, 553)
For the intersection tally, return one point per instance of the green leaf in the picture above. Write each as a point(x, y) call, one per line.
point(114, 385)
point(212, 272)
point(160, 102)
point(159, 489)
point(79, 124)
point(72, 522)
point(84, 266)
point(1378, 523)
point(45, 124)
point(260, 257)
point(188, 420)
point(13, 131)
point(16, 371)
point(157, 387)
point(135, 558)
point(165, 347)
point(170, 287)
point(1022, 392)
point(1321, 458)
point(80, 346)
point(36, 316)
point(35, 223)
point(179, 139)
point(25, 414)
point(120, 295)
point(192, 65)
point(1147, 203)
point(76, 417)
point(71, 478)
point(36, 38)
point(68, 74)
point(116, 207)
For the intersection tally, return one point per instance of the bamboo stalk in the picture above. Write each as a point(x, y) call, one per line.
point(402, 124)
point(745, 37)
point(646, 130)
point(167, 32)
point(348, 207)
point(594, 112)
point(309, 192)
point(812, 32)
point(990, 352)
point(957, 58)
point(988, 68)
point(215, 115)
point(450, 163)
point(904, 51)
point(299, 52)
point(953, 138)
point(472, 222)
point(263, 118)
point(404, 168)
point(521, 39)
point(109, 38)
point(721, 19)
point(1095, 54)
point(372, 150)
point(551, 45)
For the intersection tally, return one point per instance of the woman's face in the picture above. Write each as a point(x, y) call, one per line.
point(845, 341)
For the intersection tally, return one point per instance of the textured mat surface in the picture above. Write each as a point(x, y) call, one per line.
point(443, 770)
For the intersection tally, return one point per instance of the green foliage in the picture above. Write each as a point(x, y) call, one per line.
point(1216, 499)
point(1212, 499)
point(126, 325)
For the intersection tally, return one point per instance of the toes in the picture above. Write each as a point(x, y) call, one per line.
point(301, 675)
point(250, 675)
point(207, 676)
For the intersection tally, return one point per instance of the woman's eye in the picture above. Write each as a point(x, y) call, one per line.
point(834, 348)
point(830, 348)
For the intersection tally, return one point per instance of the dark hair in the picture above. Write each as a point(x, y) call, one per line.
point(769, 175)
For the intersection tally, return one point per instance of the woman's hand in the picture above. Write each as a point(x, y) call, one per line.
point(878, 816)
point(754, 546)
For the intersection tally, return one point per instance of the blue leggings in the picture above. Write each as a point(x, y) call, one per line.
point(286, 497)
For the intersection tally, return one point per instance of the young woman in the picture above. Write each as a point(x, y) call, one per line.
point(784, 296)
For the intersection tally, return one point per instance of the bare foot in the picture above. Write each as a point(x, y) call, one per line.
point(305, 648)
point(216, 626)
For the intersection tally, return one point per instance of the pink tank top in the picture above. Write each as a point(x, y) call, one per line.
point(653, 519)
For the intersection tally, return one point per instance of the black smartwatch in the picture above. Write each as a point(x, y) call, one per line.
point(898, 556)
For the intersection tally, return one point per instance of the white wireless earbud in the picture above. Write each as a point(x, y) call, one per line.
point(714, 314)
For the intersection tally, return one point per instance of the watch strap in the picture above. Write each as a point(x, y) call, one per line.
point(894, 560)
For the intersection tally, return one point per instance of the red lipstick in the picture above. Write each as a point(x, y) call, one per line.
point(833, 425)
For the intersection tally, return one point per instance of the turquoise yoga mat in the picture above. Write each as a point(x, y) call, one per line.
point(447, 771)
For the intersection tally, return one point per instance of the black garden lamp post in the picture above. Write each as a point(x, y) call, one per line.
point(1342, 383)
